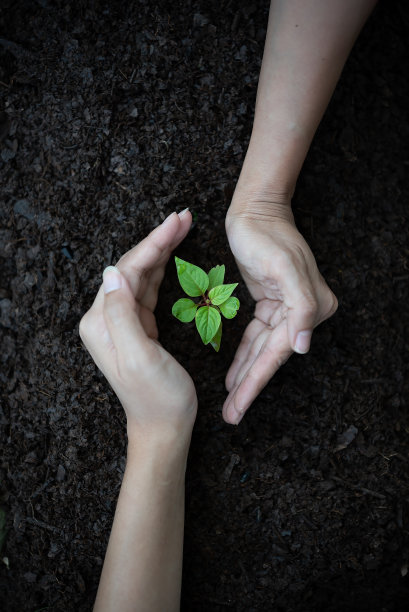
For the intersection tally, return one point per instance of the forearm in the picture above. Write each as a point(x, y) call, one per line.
point(143, 564)
point(307, 44)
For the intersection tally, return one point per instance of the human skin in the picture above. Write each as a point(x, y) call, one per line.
point(307, 44)
point(143, 563)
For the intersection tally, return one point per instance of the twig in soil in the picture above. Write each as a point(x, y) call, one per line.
point(17, 50)
point(42, 390)
point(280, 537)
point(308, 522)
point(37, 523)
point(41, 488)
point(218, 602)
point(392, 455)
point(397, 279)
point(73, 146)
point(234, 460)
point(359, 488)
point(122, 187)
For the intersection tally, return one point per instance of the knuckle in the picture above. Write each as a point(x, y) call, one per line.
point(282, 360)
point(331, 305)
point(90, 326)
point(114, 308)
point(334, 305)
point(309, 305)
point(85, 326)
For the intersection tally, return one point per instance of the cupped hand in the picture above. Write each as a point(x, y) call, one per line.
point(120, 333)
point(292, 298)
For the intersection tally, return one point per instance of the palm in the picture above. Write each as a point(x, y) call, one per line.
point(281, 274)
point(141, 354)
point(176, 386)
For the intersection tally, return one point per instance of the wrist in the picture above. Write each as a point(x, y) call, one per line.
point(157, 462)
point(263, 188)
point(274, 157)
point(154, 472)
point(156, 442)
point(260, 199)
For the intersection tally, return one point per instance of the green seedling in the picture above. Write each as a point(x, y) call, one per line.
point(215, 300)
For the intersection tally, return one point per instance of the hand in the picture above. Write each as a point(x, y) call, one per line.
point(292, 297)
point(120, 332)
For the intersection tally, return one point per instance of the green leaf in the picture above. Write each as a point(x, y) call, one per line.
point(230, 307)
point(184, 310)
point(194, 280)
point(208, 320)
point(215, 341)
point(216, 276)
point(221, 293)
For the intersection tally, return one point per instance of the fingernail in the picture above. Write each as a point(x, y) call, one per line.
point(238, 418)
point(183, 212)
point(167, 218)
point(237, 415)
point(111, 278)
point(303, 341)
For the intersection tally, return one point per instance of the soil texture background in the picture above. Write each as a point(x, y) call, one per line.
point(112, 115)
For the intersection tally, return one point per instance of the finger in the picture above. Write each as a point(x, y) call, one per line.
point(252, 330)
point(327, 301)
point(95, 336)
point(273, 354)
point(252, 353)
point(148, 294)
point(153, 252)
point(149, 297)
point(156, 247)
point(302, 305)
point(121, 316)
point(309, 310)
point(148, 321)
point(270, 313)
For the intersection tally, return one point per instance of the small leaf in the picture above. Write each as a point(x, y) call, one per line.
point(184, 310)
point(194, 281)
point(208, 320)
point(216, 276)
point(215, 341)
point(221, 293)
point(230, 307)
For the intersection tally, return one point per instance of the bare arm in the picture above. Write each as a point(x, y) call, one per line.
point(143, 564)
point(307, 44)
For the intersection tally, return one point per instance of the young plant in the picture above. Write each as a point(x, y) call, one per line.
point(215, 300)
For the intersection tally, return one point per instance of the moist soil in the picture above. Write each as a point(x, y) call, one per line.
point(113, 115)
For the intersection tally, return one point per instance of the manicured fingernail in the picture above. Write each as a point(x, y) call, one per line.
point(167, 218)
point(111, 278)
point(303, 341)
point(183, 212)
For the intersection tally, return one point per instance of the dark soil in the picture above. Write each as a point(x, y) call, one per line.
point(114, 114)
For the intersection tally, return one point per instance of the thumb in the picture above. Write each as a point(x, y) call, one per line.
point(301, 320)
point(306, 312)
point(121, 312)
